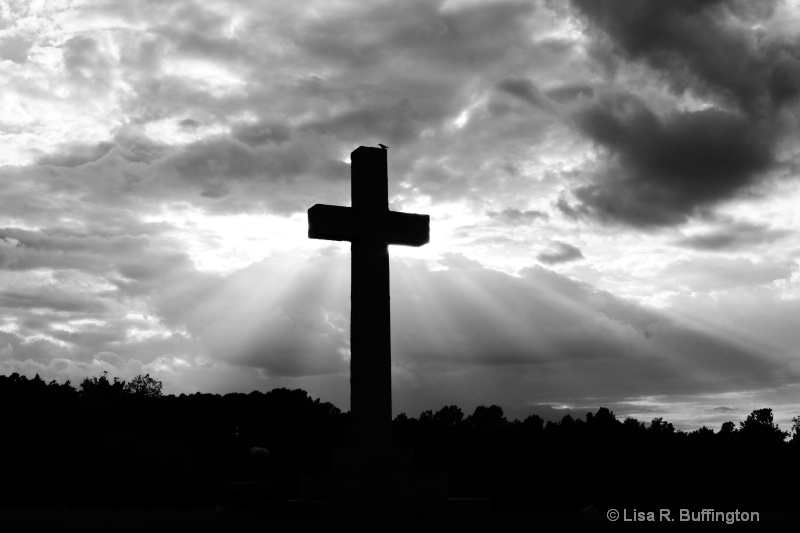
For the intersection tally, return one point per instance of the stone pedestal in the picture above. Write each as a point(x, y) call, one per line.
point(376, 481)
point(374, 486)
point(374, 473)
point(372, 459)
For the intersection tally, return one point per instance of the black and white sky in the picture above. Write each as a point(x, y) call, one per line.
point(612, 184)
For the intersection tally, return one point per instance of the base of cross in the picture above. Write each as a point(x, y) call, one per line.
point(449, 510)
point(373, 473)
point(372, 459)
point(374, 486)
point(380, 481)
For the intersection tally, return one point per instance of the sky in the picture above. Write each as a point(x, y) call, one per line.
point(612, 185)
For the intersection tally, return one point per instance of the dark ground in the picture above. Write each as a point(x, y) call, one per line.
point(154, 520)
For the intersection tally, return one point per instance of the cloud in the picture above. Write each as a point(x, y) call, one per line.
point(664, 165)
point(255, 134)
point(570, 92)
point(661, 170)
point(104, 249)
point(75, 155)
point(51, 299)
point(458, 320)
point(454, 260)
point(734, 236)
point(396, 124)
point(705, 273)
point(87, 63)
point(707, 47)
point(564, 253)
point(226, 175)
point(189, 123)
point(514, 217)
point(527, 91)
point(15, 48)
point(543, 335)
point(450, 38)
point(247, 320)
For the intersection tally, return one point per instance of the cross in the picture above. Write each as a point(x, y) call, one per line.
point(370, 227)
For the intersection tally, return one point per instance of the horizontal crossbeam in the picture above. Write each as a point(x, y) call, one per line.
point(337, 223)
point(408, 229)
point(332, 223)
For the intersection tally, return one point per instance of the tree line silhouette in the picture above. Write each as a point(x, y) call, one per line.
point(111, 443)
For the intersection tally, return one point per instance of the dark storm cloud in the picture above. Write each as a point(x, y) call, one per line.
point(564, 254)
point(515, 217)
point(226, 158)
point(733, 237)
point(662, 168)
point(706, 46)
point(259, 168)
point(202, 32)
point(570, 92)
point(448, 47)
point(526, 91)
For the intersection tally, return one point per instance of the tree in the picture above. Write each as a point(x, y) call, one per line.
point(703, 434)
point(603, 418)
point(101, 387)
point(533, 423)
point(449, 416)
point(426, 416)
point(487, 418)
point(144, 386)
point(759, 427)
point(633, 425)
point(796, 429)
point(659, 426)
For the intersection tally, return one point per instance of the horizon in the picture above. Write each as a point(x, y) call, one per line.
point(612, 195)
point(546, 413)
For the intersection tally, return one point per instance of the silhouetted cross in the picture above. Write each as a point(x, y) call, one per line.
point(370, 227)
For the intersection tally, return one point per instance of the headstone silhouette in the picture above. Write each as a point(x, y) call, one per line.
point(370, 227)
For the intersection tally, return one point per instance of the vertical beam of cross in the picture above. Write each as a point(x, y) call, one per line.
point(370, 227)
